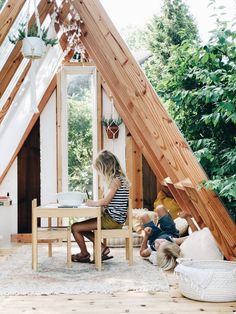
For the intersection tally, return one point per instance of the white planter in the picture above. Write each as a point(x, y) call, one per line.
point(32, 47)
point(211, 281)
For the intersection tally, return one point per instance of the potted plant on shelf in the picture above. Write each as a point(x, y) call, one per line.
point(33, 40)
point(112, 126)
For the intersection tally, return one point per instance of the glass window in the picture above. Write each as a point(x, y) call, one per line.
point(80, 91)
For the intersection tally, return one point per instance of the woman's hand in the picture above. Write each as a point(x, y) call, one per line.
point(109, 196)
point(90, 203)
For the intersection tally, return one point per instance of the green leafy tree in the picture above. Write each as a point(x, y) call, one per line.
point(80, 140)
point(174, 26)
point(199, 87)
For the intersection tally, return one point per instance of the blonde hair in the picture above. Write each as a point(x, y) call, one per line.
point(108, 166)
point(167, 255)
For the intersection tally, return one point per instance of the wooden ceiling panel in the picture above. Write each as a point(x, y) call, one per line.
point(8, 16)
point(16, 57)
point(63, 42)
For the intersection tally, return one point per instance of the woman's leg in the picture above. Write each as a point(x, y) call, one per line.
point(90, 236)
point(81, 229)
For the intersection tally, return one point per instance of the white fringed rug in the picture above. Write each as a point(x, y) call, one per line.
point(53, 276)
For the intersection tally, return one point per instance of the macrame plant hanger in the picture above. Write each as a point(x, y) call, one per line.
point(32, 54)
point(113, 130)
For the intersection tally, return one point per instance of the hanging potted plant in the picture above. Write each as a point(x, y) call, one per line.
point(112, 126)
point(33, 40)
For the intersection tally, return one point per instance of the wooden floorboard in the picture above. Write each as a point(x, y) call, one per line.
point(171, 302)
point(117, 303)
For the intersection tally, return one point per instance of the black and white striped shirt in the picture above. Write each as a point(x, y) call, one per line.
point(118, 207)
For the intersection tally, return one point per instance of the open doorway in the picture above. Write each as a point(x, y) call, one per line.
point(28, 165)
point(79, 108)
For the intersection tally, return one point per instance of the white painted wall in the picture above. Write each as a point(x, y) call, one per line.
point(64, 130)
point(48, 155)
point(116, 146)
point(20, 113)
point(48, 152)
point(8, 214)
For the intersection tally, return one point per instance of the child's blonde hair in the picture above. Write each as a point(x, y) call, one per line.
point(108, 166)
point(167, 255)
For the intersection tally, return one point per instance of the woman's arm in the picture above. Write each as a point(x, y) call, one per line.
point(114, 186)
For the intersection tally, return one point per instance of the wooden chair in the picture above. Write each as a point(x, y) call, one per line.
point(126, 232)
point(51, 234)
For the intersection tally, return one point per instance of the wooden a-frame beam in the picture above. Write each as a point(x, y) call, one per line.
point(63, 42)
point(8, 15)
point(182, 201)
point(14, 91)
point(180, 196)
point(111, 64)
point(16, 56)
point(133, 162)
point(154, 131)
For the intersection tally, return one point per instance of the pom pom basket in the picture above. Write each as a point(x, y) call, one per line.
point(211, 281)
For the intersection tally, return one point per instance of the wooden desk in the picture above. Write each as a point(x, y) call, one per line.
point(52, 210)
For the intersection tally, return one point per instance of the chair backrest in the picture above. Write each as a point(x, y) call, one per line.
point(126, 233)
point(129, 220)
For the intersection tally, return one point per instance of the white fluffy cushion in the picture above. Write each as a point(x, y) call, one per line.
point(201, 245)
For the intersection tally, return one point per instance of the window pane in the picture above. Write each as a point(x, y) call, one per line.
point(80, 102)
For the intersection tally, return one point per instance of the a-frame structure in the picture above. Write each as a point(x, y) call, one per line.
point(152, 128)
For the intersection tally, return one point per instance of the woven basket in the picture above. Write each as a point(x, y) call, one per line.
point(212, 281)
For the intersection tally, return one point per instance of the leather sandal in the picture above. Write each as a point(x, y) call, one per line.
point(104, 258)
point(105, 251)
point(80, 259)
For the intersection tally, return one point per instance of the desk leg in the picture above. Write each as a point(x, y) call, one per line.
point(34, 236)
point(69, 247)
point(98, 240)
point(50, 242)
